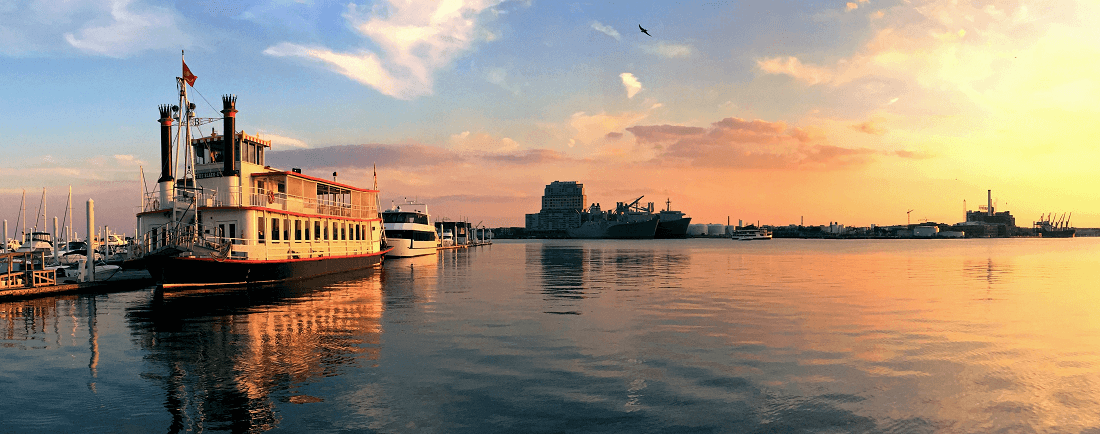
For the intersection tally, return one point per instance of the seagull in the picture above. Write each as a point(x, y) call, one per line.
point(644, 30)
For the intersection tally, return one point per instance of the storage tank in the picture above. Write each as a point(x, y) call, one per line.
point(716, 230)
point(697, 230)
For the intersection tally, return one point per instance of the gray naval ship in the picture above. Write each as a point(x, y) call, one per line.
point(622, 223)
point(673, 224)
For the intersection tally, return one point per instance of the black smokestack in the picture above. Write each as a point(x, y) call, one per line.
point(229, 113)
point(165, 143)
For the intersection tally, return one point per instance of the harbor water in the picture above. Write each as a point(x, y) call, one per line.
point(698, 335)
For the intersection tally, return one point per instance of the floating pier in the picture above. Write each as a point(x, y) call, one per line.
point(463, 235)
point(24, 276)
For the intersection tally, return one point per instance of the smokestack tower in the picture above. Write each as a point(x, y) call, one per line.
point(166, 178)
point(989, 200)
point(165, 143)
point(229, 154)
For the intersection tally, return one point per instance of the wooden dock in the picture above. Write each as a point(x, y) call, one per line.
point(22, 275)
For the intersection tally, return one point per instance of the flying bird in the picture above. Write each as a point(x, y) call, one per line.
point(644, 30)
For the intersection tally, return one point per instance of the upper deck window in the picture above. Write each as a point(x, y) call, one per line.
point(404, 217)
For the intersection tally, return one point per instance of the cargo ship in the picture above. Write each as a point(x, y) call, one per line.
point(619, 224)
point(1051, 226)
point(672, 224)
point(232, 220)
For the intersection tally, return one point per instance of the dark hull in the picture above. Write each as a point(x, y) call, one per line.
point(1066, 233)
point(182, 272)
point(615, 230)
point(673, 228)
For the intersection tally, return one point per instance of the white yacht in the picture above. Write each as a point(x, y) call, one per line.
point(751, 234)
point(409, 230)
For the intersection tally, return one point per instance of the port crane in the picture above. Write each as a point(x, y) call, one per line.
point(907, 213)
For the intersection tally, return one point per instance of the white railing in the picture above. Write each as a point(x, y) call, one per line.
point(248, 196)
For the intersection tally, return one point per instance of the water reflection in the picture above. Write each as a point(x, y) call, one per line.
point(571, 273)
point(224, 359)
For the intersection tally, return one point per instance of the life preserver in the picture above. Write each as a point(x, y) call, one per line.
point(271, 197)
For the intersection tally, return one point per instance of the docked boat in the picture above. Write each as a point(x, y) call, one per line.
point(751, 234)
point(409, 231)
point(672, 224)
point(232, 220)
point(623, 223)
point(1051, 226)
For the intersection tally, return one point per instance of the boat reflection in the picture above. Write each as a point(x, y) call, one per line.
point(226, 359)
point(571, 273)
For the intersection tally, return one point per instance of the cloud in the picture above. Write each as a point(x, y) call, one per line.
point(607, 30)
point(614, 136)
point(668, 50)
point(915, 155)
point(632, 85)
point(737, 143)
point(407, 156)
point(589, 129)
point(415, 40)
point(279, 142)
point(499, 77)
point(482, 143)
point(529, 157)
point(118, 28)
point(851, 6)
point(793, 67)
point(869, 127)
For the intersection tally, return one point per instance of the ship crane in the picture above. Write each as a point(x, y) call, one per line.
point(633, 206)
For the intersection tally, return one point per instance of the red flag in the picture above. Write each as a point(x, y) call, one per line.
point(188, 76)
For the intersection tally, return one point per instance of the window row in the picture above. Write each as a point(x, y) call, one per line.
point(285, 229)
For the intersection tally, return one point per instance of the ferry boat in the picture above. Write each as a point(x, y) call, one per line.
point(232, 220)
point(409, 231)
point(751, 234)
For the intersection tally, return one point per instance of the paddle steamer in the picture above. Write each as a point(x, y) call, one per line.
point(231, 219)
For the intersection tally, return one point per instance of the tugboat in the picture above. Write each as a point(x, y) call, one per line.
point(232, 220)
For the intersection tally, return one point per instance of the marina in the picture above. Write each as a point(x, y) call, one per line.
point(649, 336)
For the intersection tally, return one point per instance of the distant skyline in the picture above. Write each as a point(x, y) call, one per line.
point(849, 112)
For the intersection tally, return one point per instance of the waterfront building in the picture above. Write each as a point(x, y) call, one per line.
point(562, 203)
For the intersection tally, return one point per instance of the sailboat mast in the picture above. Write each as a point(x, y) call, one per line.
point(23, 213)
point(69, 217)
point(43, 206)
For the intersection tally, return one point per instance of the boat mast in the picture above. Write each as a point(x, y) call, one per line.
point(69, 217)
point(23, 214)
point(42, 206)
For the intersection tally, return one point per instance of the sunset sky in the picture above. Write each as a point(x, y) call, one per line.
point(853, 112)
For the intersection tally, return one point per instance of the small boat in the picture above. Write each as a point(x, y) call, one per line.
point(409, 231)
point(447, 239)
point(751, 234)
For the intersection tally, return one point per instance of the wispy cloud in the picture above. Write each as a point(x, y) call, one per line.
point(607, 30)
point(415, 40)
point(738, 143)
point(669, 50)
point(117, 28)
point(280, 142)
point(631, 83)
point(869, 127)
point(795, 68)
